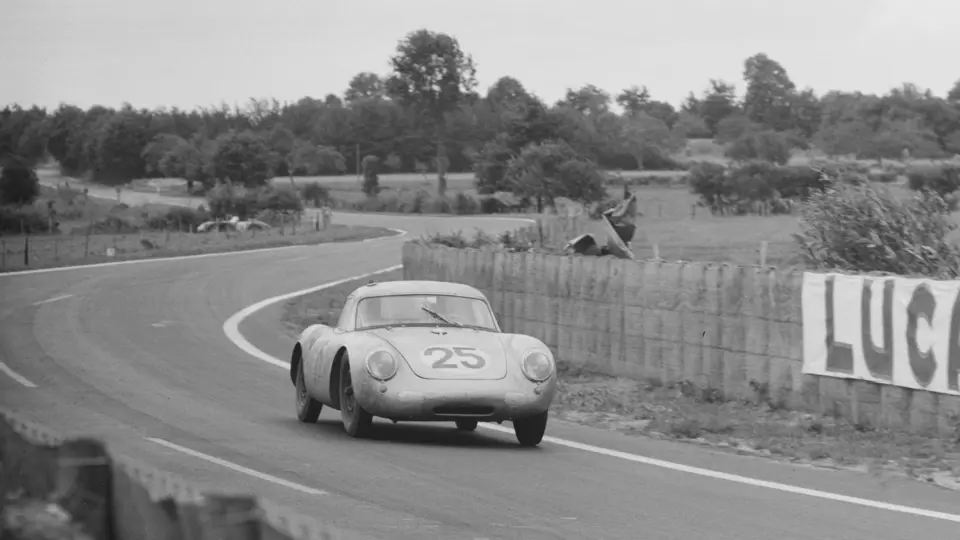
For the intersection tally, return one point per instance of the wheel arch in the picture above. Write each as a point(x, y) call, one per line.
point(335, 377)
point(295, 358)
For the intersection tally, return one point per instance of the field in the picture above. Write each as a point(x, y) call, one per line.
point(670, 219)
point(47, 251)
point(687, 414)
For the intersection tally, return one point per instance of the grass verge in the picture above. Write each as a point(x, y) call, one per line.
point(50, 251)
point(686, 413)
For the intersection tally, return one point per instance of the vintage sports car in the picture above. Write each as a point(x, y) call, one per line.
point(423, 351)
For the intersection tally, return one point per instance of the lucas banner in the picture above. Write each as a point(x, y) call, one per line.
point(888, 330)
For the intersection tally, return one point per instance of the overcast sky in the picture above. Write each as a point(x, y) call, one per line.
point(201, 52)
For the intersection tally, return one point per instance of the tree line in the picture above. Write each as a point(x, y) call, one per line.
point(427, 115)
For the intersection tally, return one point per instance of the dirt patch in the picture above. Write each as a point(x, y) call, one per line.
point(701, 416)
point(765, 429)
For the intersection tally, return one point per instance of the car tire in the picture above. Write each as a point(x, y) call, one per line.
point(356, 421)
point(530, 430)
point(466, 424)
point(308, 409)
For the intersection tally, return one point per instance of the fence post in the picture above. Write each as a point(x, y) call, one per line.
point(656, 252)
point(763, 253)
point(3, 254)
point(282, 224)
point(56, 249)
point(26, 251)
point(293, 225)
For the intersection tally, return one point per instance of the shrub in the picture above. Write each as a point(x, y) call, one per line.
point(18, 184)
point(864, 228)
point(14, 220)
point(315, 193)
point(179, 218)
point(766, 145)
point(371, 175)
point(943, 180)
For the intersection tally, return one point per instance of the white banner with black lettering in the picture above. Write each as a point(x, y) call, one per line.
point(889, 330)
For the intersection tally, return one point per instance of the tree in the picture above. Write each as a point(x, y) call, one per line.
point(554, 169)
point(243, 158)
point(118, 145)
point(733, 127)
point(365, 85)
point(719, 101)
point(371, 175)
point(850, 137)
point(953, 95)
point(770, 93)
point(18, 182)
point(156, 149)
point(690, 126)
point(765, 145)
point(644, 135)
point(432, 74)
point(311, 159)
point(490, 165)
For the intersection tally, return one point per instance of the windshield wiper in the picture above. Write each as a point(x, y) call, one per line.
point(440, 317)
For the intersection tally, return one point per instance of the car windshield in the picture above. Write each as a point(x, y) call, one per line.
point(424, 310)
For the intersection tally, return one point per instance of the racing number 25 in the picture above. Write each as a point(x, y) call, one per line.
point(467, 357)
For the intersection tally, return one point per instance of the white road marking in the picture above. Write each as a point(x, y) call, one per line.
point(232, 325)
point(54, 299)
point(189, 257)
point(737, 478)
point(16, 376)
point(238, 468)
point(231, 329)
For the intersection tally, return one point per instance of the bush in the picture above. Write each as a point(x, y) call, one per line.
point(315, 193)
point(371, 175)
point(943, 180)
point(14, 220)
point(229, 200)
point(868, 229)
point(753, 187)
point(18, 184)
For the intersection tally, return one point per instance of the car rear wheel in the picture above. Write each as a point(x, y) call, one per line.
point(529, 430)
point(466, 424)
point(308, 409)
point(356, 421)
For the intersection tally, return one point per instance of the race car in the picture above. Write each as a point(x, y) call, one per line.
point(423, 351)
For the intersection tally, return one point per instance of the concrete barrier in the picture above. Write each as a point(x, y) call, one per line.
point(112, 497)
point(734, 329)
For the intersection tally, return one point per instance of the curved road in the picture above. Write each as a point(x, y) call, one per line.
point(136, 353)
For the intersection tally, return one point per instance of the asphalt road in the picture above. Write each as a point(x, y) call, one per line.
point(136, 351)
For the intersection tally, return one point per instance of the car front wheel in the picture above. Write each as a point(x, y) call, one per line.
point(356, 421)
point(529, 430)
point(308, 409)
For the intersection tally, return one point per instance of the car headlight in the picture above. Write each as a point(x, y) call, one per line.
point(381, 365)
point(536, 366)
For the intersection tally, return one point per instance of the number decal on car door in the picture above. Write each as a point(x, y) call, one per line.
point(454, 357)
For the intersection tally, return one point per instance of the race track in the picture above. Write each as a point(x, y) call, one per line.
point(137, 353)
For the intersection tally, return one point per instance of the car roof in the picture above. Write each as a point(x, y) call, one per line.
point(386, 288)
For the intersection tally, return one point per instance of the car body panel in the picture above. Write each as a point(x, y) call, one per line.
point(448, 353)
point(480, 376)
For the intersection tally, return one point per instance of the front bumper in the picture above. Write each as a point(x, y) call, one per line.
point(437, 400)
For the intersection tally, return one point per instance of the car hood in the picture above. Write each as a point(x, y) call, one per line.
point(449, 353)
